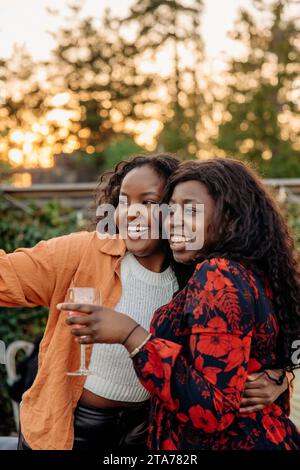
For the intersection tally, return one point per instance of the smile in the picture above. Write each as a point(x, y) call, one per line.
point(135, 232)
point(174, 239)
point(137, 229)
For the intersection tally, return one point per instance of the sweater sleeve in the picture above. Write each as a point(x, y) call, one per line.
point(203, 383)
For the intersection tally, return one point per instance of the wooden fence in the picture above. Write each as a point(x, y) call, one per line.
point(80, 195)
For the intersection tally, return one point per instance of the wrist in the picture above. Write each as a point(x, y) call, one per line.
point(278, 376)
point(136, 339)
point(286, 383)
point(130, 333)
point(127, 325)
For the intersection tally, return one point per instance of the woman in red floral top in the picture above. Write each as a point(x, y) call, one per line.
point(238, 314)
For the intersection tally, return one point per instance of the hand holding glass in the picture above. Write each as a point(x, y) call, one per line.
point(82, 295)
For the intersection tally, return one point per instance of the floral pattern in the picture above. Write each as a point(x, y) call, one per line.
point(204, 343)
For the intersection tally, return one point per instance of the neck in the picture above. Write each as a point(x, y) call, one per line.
point(156, 262)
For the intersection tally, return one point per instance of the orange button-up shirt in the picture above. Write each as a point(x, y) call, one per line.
point(41, 276)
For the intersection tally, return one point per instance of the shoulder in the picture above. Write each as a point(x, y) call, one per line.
point(219, 265)
point(73, 240)
point(221, 288)
point(223, 274)
point(81, 242)
point(66, 250)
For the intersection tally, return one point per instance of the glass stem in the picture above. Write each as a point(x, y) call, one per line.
point(82, 356)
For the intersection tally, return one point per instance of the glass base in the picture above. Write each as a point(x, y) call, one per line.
point(79, 372)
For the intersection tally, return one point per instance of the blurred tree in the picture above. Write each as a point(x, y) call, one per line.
point(119, 148)
point(262, 118)
point(96, 69)
point(171, 29)
point(23, 138)
point(90, 94)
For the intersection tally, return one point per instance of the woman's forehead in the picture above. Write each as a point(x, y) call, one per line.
point(190, 190)
point(142, 180)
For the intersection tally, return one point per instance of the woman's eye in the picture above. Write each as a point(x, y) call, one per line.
point(190, 210)
point(149, 203)
point(193, 210)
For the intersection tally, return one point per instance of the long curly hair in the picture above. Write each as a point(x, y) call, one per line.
point(247, 226)
point(109, 186)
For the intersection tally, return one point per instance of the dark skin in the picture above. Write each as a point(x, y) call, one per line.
point(104, 325)
point(195, 195)
point(142, 187)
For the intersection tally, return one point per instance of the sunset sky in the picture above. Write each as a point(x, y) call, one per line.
point(26, 22)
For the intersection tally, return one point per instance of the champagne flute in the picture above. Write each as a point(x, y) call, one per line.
point(82, 295)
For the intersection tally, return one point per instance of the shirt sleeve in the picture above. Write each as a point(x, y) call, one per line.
point(28, 276)
point(203, 382)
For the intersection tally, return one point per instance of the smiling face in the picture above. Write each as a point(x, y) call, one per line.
point(141, 192)
point(189, 197)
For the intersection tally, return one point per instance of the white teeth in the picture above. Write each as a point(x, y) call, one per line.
point(180, 239)
point(137, 229)
point(137, 232)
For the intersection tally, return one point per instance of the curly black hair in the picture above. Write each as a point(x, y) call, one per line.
point(108, 189)
point(109, 186)
point(248, 226)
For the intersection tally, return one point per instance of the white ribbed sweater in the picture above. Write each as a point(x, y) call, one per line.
point(143, 291)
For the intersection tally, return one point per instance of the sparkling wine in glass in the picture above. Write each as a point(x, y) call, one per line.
point(82, 295)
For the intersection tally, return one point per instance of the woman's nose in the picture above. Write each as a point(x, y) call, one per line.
point(176, 217)
point(131, 217)
point(136, 211)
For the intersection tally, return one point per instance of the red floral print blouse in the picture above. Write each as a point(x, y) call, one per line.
point(204, 343)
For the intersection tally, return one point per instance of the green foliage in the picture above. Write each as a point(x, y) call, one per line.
point(121, 148)
point(25, 228)
point(261, 104)
point(292, 215)
point(4, 172)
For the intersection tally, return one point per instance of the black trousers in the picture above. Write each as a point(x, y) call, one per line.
point(103, 430)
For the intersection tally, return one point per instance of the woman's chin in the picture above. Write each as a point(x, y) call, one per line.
point(136, 246)
point(184, 257)
point(142, 247)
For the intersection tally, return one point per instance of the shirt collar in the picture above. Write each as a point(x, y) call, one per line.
point(114, 246)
